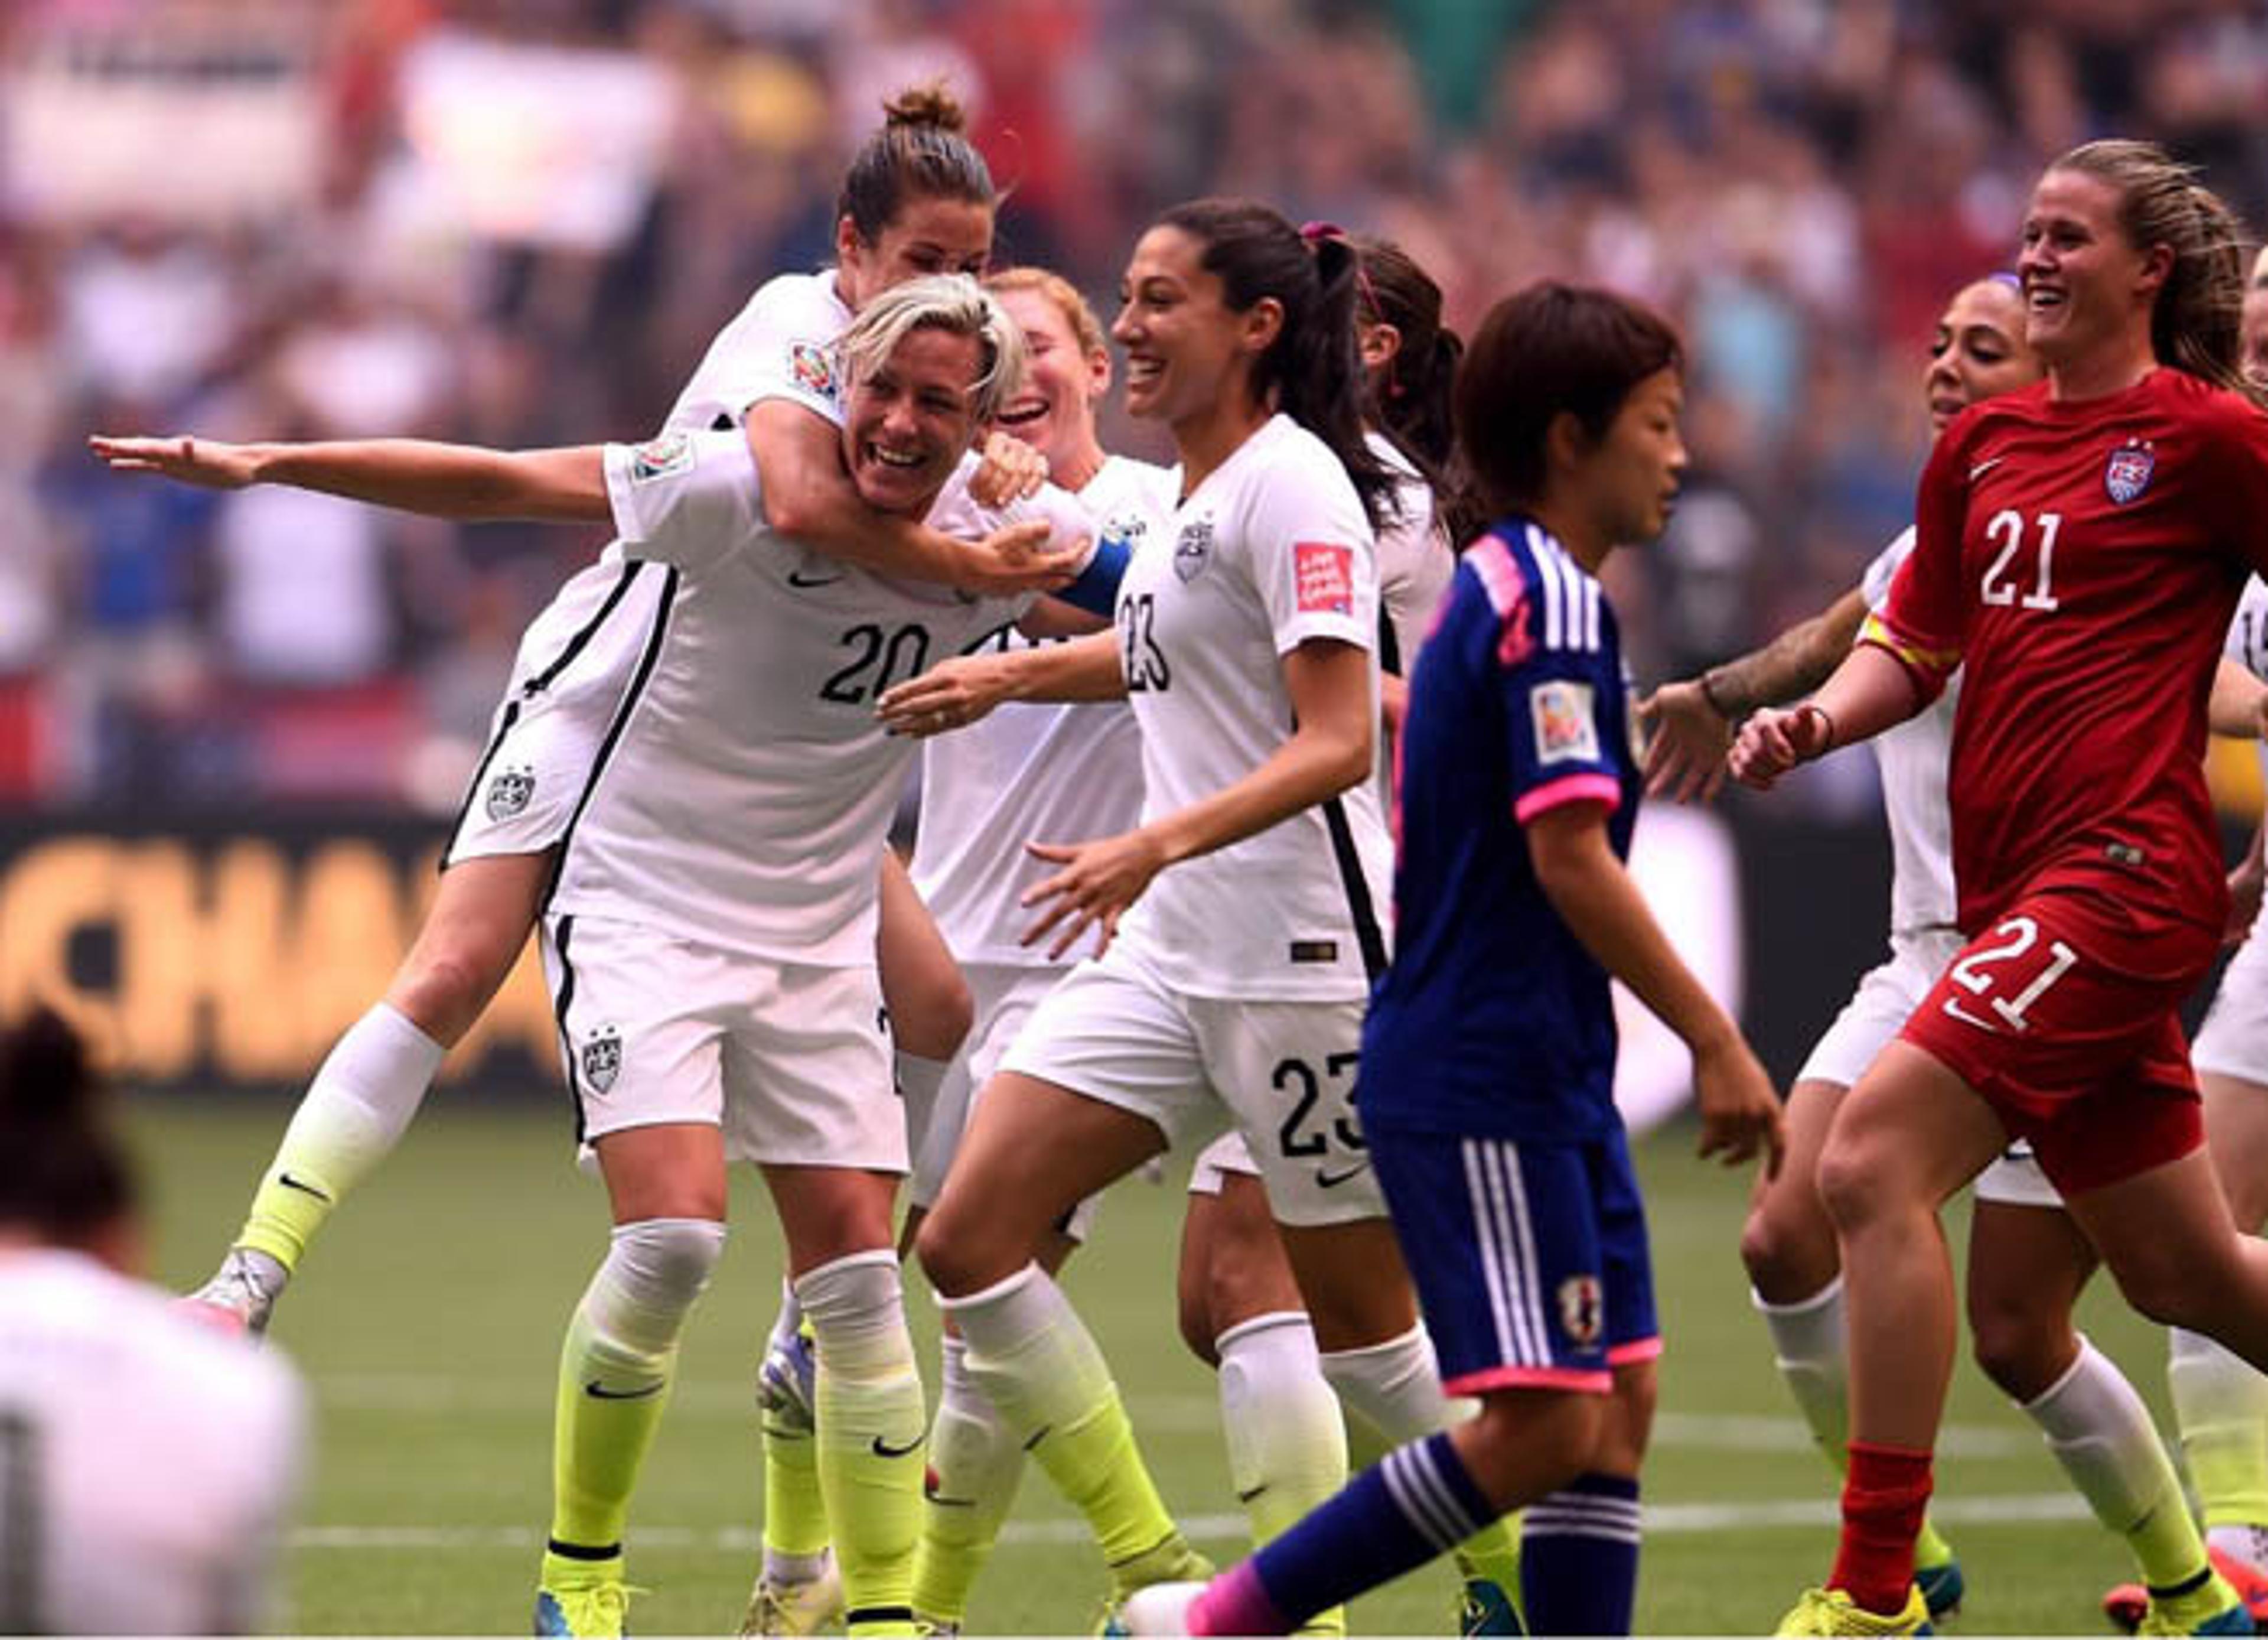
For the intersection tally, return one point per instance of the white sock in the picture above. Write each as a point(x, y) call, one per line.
point(1809, 1348)
point(1395, 1386)
point(363, 1096)
point(1287, 1449)
point(2100, 1433)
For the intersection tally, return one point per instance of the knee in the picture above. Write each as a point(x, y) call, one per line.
point(1522, 1441)
point(1785, 1242)
point(856, 1309)
point(2022, 1350)
point(655, 1272)
point(1857, 1185)
point(956, 1263)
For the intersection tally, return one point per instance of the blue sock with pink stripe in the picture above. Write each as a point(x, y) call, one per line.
point(1578, 1557)
point(1417, 1503)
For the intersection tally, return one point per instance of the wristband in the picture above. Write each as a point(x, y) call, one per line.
point(1812, 708)
point(1707, 683)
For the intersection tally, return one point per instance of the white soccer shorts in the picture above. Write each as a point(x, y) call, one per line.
point(1885, 997)
point(792, 1061)
point(2234, 1040)
point(1283, 1073)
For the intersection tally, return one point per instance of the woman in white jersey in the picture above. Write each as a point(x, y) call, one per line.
point(1232, 990)
point(916, 199)
point(711, 932)
point(146, 1466)
point(2028, 1261)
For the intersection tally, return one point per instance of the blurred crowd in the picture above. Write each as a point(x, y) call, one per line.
point(518, 222)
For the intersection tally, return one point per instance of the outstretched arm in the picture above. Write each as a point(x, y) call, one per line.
point(1691, 723)
point(1869, 692)
point(461, 481)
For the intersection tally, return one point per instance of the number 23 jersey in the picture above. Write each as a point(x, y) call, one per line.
point(745, 787)
point(2081, 561)
point(1271, 551)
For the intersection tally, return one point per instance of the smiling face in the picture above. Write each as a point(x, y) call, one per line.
point(2087, 288)
point(1185, 346)
point(931, 233)
point(1979, 351)
point(909, 421)
point(1054, 411)
point(1627, 482)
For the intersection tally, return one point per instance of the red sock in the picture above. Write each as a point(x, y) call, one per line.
point(1884, 1497)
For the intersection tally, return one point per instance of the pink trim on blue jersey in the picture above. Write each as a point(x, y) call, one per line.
point(1573, 788)
point(1637, 1349)
point(1583, 1380)
point(1491, 559)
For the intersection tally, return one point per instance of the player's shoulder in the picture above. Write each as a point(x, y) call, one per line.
point(2218, 411)
point(2017, 408)
point(807, 300)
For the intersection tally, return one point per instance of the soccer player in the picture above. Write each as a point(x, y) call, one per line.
point(148, 1466)
point(2027, 1261)
point(916, 199)
point(1238, 1301)
point(1488, 1057)
point(711, 933)
point(1245, 645)
point(2079, 549)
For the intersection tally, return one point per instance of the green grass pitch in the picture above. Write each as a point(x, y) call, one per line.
point(429, 1320)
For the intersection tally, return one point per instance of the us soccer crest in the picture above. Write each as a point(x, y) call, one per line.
point(509, 792)
point(1582, 1310)
point(1125, 530)
point(2127, 473)
point(1193, 548)
point(602, 1058)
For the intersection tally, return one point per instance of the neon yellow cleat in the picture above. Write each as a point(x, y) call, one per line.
point(583, 1604)
point(1833, 1611)
point(2214, 1608)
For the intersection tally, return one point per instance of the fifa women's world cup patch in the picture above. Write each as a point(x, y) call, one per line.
point(811, 364)
point(671, 452)
point(1325, 574)
point(2127, 473)
point(1567, 731)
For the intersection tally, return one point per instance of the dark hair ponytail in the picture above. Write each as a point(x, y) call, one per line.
point(64, 1176)
point(1413, 400)
point(1312, 368)
point(921, 153)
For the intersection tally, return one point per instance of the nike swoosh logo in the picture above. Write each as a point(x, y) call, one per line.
point(943, 1501)
point(883, 1448)
point(1955, 1010)
point(797, 578)
point(1329, 1180)
point(1246, 1497)
point(289, 1183)
point(1985, 467)
point(597, 1390)
point(1046, 1430)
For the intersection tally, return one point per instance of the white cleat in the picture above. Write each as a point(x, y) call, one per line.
point(241, 1299)
point(1163, 1609)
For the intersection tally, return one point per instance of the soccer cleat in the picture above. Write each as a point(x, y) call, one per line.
point(787, 1382)
point(240, 1297)
point(936, 1628)
point(2211, 1608)
point(795, 1608)
point(2128, 1606)
point(1170, 1562)
point(1159, 1608)
point(585, 1610)
point(1942, 1587)
point(1833, 1611)
point(2249, 1582)
point(1485, 1607)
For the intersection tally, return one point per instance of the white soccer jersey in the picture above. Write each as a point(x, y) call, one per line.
point(782, 345)
point(1912, 757)
point(1415, 563)
point(1031, 771)
point(2247, 643)
point(745, 786)
point(1271, 551)
point(146, 1464)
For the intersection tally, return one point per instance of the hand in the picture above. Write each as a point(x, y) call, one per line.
point(1098, 881)
point(951, 695)
point(1687, 739)
point(1010, 470)
point(204, 461)
point(2244, 885)
point(1020, 558)
point(1740, 1113)
point(1773, 741)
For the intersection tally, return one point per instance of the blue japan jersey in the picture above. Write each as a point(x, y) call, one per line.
point(1493, 1019)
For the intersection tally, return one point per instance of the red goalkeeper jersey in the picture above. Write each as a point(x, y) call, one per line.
point(2081, 562)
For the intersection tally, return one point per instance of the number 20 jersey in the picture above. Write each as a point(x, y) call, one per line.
point(2081, 561)
point(744, 791)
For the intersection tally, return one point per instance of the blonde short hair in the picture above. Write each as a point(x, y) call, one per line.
point(955, 304)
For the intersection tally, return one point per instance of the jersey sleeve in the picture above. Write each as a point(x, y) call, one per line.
point(1313, 558)
point(1557, 677)
point(2238, 481)
point(1922, 623)
point(686, 499)
point(783, 344)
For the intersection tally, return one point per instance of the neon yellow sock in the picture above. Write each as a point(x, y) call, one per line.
point(2222, 1405)
point(978, 1462)
point(795, 1513)
point(611, 1398)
